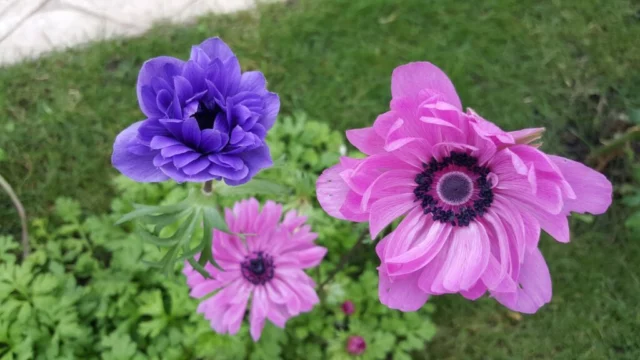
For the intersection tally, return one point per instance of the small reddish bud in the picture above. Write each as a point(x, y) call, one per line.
point(356, 345)
point(348, 308)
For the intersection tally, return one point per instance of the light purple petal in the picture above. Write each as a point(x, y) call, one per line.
point(253, 81)
point(271, 109)
point(164, 67)
point(138, 168)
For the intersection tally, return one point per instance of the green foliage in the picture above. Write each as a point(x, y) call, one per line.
point(631, 199)
point(87, 290)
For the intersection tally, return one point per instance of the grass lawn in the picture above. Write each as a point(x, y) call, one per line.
point(571, 66)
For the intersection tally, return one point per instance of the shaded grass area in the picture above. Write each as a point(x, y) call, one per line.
point(569, 66)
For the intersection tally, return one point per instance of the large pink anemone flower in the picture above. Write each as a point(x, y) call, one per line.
point(266, 267)
point(472, 197)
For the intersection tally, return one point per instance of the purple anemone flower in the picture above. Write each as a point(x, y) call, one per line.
point(206, 120)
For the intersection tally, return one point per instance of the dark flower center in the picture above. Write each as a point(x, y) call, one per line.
point(206, 115)
point(454, 200)
point(258, 269)
point(455, 188)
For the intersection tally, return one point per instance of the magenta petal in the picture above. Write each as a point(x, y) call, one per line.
point(385, 210)
point(593, 190)
point(467, 258)
point(475, 292)
point(408, 80)
point(258, 313)
point(137, 167)
point(535, 285)
point(332, 191)
point(366, 140)
point(401, 293)
point(427, 245)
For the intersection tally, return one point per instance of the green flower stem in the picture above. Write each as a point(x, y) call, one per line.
point(207, 187)
point(21, 213)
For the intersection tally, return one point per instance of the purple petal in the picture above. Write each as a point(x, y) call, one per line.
point(233, 162)
point(220, 124)
point(158, 83)
point(241, 114)
point(259, 131)
point(214, 94)
point(180, 176)
point(160, 160)
point(161, 142)
point(191, 133)
point(236, 135)
point(184, 159)
point(252, 81)
point(199, 56)
point(163, 67)
point(227, 173)
point(147, 101)
point(211, 141)
point(174, 126)
point(255, 160)
point(174, 150)
point(175, 109)
point(195, 74)
point(138, 168)
point(163, 101)
point(196, 166)
point(183, 89)
point(271, 109)
point(137, 148)
point(215, 48)
point(151, 128)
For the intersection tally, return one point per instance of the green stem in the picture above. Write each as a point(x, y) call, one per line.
point(21, 213)
point(631, 135)
point(207, 188)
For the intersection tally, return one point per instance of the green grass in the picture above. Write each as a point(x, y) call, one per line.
point(569, 66)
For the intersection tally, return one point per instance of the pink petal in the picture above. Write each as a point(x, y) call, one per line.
point(332, 191)
point(424, 249)
point(391, 183)
point(408, 80)
point(366, 140)
point(205, 288)
point(593, 190)
point(384, 122)
point(498, 236)
point(535, 285)
point(258, 314)
point(475, 292)
point(402, 293)
point(385, 210)
point(467, 258)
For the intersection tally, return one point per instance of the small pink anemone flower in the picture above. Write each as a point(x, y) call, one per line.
point(266, 268)
point(472, 197)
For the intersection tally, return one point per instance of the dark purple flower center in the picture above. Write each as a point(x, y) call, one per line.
point(462, 191)
point(206, 115)
point(455, 188)
point(258, 269)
